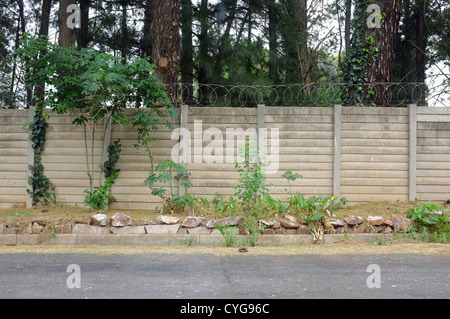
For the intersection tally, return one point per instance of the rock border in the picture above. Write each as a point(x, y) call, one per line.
point(165, 240)
point(122, 224)
point(120, 229)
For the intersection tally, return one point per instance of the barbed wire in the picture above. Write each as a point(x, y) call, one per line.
point(433, 93)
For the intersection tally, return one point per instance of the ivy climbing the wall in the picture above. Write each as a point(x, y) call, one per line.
point(99, 87)
point(41, 187)
point(362, 55)
point(109, 166)
point(100, 197)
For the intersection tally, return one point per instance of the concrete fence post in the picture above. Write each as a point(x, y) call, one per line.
point(412, 151)
point(261, 133)
point(337, 151)
point(30, 160)
point(183, 159)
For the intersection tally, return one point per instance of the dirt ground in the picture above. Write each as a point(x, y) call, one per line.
point(342, 247)
point(381, 208)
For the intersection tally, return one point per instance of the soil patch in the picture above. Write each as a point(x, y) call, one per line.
point(382, 208)
point(379, 208)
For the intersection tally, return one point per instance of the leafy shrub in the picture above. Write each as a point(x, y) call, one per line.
point(430, 220)
point(249, 192)
point(165, 174)
point(100, 197)
point(228, 233)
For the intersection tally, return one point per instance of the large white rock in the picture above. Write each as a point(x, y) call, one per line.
point(375, 220)
point(99, 220)
point(354, 220)
point(192, 221)
point(168, 220)
point(229, 221)
point(121, 220)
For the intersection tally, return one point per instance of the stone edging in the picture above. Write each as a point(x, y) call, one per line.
point(174, 239)
point(166, 230)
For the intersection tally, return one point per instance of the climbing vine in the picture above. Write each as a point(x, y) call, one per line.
point(109, 166)
point(99, 86)
point(362, 55)
point(41, 186)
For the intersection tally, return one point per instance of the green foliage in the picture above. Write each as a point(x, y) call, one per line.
point(165, 173)
point(41, 186)
point(189, 241)
point(249, 191)
point(222, 207)
point(109, 167)
point(98, 86)
point(291, 177)
point(423, 215)
point(228, 233)
point(316, 214)
point(361, 57)
point(430, 220)
point(315, 211)
point(100, 198)
point(276, 206)
point(147, 121)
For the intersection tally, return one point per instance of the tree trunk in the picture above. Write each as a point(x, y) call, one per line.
point(203, 43)
point(146, 42)
point(67, 36)
point(273, 42)
point(303, 56)
point(384, 36)
point(420, 47)
point(224, 50)
point(187, 51)
point(125, 42)
point(83, 32)
point(43, 31)
point(12, 94)
point(248, 64)
point(23, 23)
point(203, 51)
point(166, 44)
point(291, 34)
point(348, 24)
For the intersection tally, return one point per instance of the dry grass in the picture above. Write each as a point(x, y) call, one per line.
point(382, 208)
point(348, 246)
point(70, 212)
point(379, 208)
point(344, 247)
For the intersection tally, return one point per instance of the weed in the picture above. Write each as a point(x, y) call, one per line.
point(228, 233)
point(189, 241)
point(165, 174)
point(290, 178)
point(100, 197)
point(17, 213)
point(379, 240)
point(430, 220)
point(248, 191)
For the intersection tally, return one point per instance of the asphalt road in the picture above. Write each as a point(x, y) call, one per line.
point(172, 276)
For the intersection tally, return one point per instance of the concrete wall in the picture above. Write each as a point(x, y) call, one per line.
point(363, 154)
point(13, 157)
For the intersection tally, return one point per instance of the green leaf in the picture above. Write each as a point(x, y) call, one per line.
point(317, 216)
